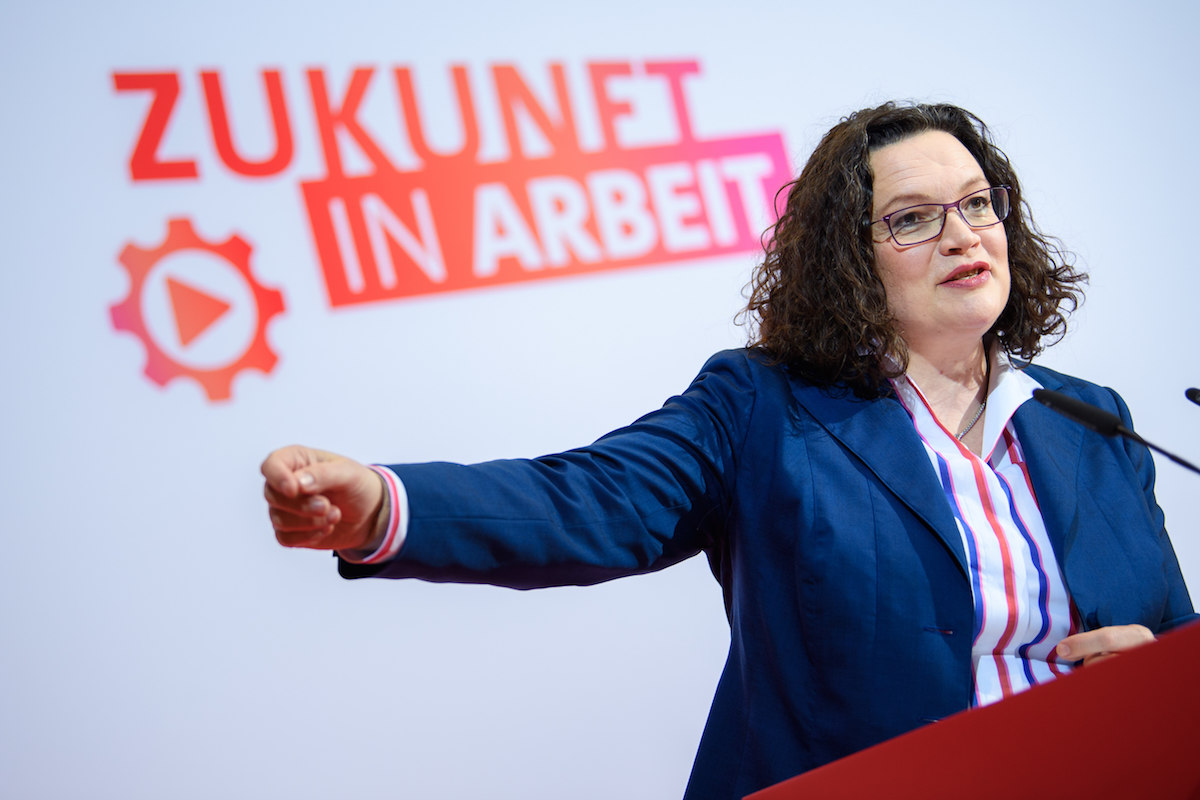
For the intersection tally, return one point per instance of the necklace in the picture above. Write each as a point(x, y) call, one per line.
point(987, 382)
point(971, 424)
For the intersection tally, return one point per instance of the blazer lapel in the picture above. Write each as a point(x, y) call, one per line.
point(1088, 549)
point(1053, 464)
point(880, 434)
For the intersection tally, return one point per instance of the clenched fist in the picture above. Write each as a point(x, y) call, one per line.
point(324, 501)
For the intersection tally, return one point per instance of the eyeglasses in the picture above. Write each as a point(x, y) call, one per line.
point(923, 223)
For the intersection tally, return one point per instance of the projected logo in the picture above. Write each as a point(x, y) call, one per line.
point(548, 176)
point(197, 309)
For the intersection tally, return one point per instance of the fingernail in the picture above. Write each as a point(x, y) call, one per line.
point(1064, 650)
point(307, 480)
point(316, 538)
point(315, 505)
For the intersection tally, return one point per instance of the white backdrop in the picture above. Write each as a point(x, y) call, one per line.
point(156, 642)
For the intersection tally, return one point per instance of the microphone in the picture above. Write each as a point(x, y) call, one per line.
point(1103, 422)
point(1193, 394)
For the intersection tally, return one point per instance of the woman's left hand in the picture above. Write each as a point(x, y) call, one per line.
point(1092, 646)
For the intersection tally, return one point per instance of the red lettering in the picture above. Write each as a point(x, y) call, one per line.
point(674, 71)
point(511, 90)
point(328, 120)
point(218, 118)
point(680, 215)
point(412, 116)
point(501, 233)
point(561, 212)
point(143, 162)
point(447, 228)
point(451, 221)
point(627, 228)
point(606, 108)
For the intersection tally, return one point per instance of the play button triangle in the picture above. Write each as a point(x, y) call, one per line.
point(195, 311)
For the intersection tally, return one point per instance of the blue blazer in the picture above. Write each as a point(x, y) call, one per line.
point(843, 571)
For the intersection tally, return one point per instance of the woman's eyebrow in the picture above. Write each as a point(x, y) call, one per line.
point(914, 198)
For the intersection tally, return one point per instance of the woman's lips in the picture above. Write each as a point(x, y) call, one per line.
point(969, 275)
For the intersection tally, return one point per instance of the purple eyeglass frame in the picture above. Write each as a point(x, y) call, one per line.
point(957, 206)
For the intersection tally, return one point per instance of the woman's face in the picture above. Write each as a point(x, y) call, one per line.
point(948, 291)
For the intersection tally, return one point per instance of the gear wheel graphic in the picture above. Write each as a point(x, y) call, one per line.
point(160, 367)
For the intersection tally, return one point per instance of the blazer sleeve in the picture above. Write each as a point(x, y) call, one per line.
point(639, 499)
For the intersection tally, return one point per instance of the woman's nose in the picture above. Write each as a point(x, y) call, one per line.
point(957, 235)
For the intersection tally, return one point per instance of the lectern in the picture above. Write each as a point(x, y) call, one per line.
point(1127, 727)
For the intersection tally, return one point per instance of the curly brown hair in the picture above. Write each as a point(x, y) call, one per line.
point(817, 304)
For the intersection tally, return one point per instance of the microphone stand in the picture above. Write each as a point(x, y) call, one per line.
point(1101, 421)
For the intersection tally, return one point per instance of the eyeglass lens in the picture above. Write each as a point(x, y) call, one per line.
point(921, 223)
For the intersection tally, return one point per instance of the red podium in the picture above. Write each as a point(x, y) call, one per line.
point(1128, 727)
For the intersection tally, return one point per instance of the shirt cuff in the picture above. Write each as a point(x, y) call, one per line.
point(397, 523)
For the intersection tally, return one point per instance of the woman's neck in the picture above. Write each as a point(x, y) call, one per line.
point(955, 386)
point(955, 372)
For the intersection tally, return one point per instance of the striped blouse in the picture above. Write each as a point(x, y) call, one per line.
point(1022, 609)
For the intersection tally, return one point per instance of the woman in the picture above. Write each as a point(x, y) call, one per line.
point(894, 526)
